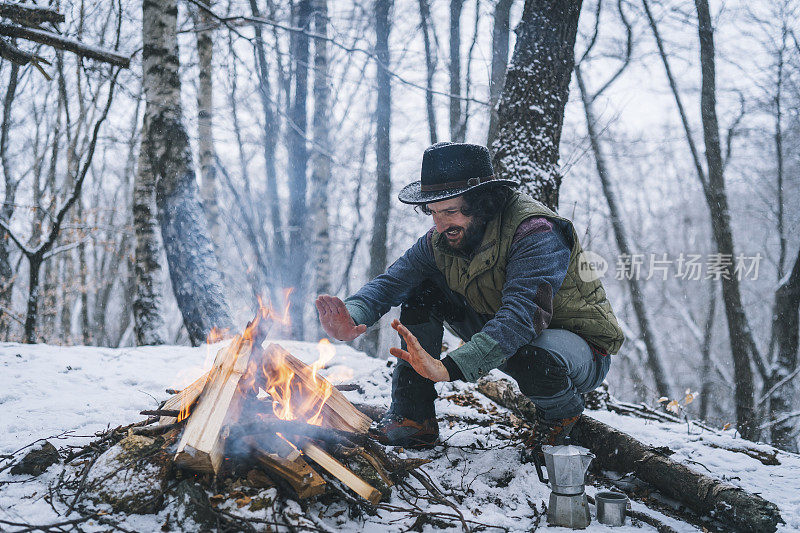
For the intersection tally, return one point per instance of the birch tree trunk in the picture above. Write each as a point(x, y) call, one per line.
point(205, 118)
point(500, 36)
point(196, 281)
point(531, 111)
point(148, 322)
point(320, 158)
point(298, 166)
point(383, 183)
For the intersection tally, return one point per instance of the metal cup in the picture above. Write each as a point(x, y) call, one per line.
point(611, 508)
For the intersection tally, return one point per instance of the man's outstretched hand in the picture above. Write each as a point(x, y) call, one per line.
point(425, 365)
point(336, 319)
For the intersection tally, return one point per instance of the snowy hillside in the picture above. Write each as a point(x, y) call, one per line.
point(65, 394)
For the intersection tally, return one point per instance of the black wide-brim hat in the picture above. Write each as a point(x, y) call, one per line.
point(450, 170)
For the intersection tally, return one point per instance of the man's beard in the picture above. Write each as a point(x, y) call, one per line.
point(472, 237)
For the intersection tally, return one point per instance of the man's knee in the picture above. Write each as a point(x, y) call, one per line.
point(538, 372)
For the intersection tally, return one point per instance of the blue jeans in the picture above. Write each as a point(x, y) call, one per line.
point(554, 370)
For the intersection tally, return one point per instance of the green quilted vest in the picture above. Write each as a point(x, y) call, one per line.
point(578, 306)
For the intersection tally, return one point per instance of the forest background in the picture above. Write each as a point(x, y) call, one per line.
point(299, 149)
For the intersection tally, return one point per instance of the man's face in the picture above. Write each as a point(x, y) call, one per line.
point(461, 231)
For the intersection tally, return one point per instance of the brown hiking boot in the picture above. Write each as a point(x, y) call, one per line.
point(396, 430)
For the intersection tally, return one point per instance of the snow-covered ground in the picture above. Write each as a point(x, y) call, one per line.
point(68, 393)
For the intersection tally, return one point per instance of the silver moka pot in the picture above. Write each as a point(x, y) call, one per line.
point(566, 473)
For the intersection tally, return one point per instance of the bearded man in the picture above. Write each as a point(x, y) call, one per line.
point(503, 272)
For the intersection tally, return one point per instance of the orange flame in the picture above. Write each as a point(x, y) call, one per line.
point(296, 393)
point(298, 397)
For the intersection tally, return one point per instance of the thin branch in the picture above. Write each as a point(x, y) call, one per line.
point(781, 383)
point(66, 247)
point(56, 228)
point(701, 174)
point(732, 131)
point(784, 418)
point(25, 250)
point(593, 40)
point(628, 52)
point(8, 312)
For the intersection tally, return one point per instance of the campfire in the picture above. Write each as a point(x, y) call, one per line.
point(263, 405)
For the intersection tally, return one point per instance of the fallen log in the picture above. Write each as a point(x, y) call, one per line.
point(286, 463)
point(733, 506)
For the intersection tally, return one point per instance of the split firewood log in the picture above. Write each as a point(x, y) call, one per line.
point(286, 463)
point(341, 472)
point(337, 411)
point(732, 506)
point(202, 444)
point(184, 400)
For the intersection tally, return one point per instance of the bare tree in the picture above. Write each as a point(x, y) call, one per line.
point(203, 22)
point(782, 385)
point(743, 346)
point(9, 200)
point(269, 140)
point(251, 218)
point(196, 281)
point(430, 66)
point(298, 167)
point(742, 343)
point(383, 182)
point(320, 158)
point(45, 249)
point(148, 320)
point(454, 68)
point(531, 110)
point(465, 112)
point(782, 352)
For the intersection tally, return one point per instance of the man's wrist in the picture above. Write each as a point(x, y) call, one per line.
point(453, 372)
point(443, 374)
point(359, 311)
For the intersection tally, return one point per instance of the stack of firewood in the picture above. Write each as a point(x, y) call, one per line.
point(226, 421)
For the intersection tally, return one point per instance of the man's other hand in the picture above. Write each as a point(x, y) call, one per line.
point(425, 365)
point(336, 319)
